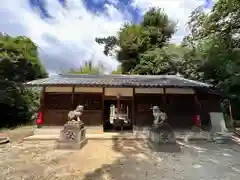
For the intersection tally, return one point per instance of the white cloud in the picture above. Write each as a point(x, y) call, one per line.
point(68, 40)
point(178, 10)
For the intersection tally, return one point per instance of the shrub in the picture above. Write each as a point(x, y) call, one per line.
point(17, 104)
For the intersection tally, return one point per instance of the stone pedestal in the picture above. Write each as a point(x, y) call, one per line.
point(162, 134)
point(73, 136)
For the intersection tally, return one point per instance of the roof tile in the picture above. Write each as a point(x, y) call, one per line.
point(118, 80)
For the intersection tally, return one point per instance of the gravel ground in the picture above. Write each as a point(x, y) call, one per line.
point(19, 133)
point(119, 160)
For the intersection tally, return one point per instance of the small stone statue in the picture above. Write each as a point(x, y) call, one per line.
point(74, 116)
point(161, 131)
point(73, 134)
point(159, 117)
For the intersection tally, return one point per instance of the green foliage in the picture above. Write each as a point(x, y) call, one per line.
point(19, 59)
point(17, 105)
point(87, 68)
point(137, 43)
point(214, 48)
point(19, 62)
point(118, 70)
point(110, 43)
point(156, 62)
point(210, 52)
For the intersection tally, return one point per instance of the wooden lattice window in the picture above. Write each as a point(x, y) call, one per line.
point(143, 108)
point(89, 101)
point(58, 101)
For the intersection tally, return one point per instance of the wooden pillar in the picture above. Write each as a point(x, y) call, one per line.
point(42, 96)
point(164, 100)
point(133, 108)
point(103, 108)
point(73, 91)
point(230, 113)
point(197, 104)
point(118, 105)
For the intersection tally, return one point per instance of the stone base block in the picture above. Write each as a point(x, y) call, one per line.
point(72, 138)
point(71, 145)
point(76, 135)
point(159, 138)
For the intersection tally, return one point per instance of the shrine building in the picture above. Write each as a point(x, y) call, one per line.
point(129, 96)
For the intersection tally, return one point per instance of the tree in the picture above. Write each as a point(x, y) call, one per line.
point(19, 62)
point(118, 70)
point(19, 59)
point(214, 47)
point(87, 68)
point(136, 42)
point(156, 62)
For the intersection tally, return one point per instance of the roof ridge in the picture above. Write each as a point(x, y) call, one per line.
point(119, 80)
point(114, 75)
point(194, 81)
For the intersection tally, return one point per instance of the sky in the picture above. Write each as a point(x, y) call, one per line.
point(65, 30)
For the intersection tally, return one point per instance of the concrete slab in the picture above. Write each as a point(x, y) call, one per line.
point(90, 136)
point(45, 130)
point(96, 133)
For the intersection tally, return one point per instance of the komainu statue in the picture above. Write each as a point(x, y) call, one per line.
point(74, 116)
point(161, 131)
point(73, 134)
point(159, 117)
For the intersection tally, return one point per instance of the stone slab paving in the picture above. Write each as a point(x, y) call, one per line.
point(53, 133)
point(119, 160)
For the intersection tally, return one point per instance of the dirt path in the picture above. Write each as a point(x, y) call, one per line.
point(40, 160)
point(118, 160)
point(19, 133)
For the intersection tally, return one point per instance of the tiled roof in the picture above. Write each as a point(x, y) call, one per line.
point(118, 81)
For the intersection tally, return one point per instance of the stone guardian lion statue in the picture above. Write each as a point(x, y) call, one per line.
point(74, 116)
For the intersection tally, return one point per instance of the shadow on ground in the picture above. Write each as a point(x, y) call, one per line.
point(136, 162)
point(168, 148)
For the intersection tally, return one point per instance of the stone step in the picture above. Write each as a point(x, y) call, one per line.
point(49, 130)
point(104, 136)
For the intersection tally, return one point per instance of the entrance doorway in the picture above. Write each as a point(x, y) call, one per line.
point(117, 115)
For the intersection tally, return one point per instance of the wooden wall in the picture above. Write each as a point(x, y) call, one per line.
point(208, 103)
point(58, 104)
point(179, 104)
point(143, 104)
point(179, 108)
